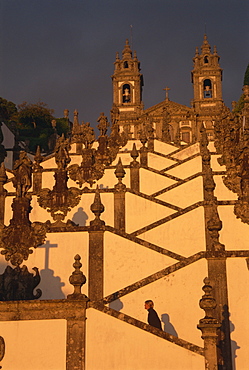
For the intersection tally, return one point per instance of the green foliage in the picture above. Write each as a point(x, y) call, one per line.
point(240, 104)
point(8, 110)
point(35, 116)
point(246, 78)
point(34, 124)
point(62, 126)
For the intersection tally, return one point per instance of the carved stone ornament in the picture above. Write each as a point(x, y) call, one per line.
point(83, 133)
point(207, 302)
point(116, 140)
point(60, 199)
point(241, 210)
point(94, 161)
point(77, 279)
point(232, 141)
point(18, 239)
point(59, 202)
point(89, 171)
point(18, 284)
point(20, 236)
point(22, 174)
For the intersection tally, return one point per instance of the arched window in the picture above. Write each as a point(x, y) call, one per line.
point(126, 91)
point(205, 59)
point(207, 88)
point(126, 65)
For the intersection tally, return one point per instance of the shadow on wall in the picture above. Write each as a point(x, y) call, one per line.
point(50, 285)
point(80, 217)
point(102, 186)
point(168, 327)
point(116, 305)
point(234, 346)
point(226, 328)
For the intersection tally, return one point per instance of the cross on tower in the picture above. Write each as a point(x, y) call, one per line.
point(167, 93)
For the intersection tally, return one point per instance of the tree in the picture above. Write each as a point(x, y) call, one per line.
point(8, 110)
point(35, 124)
point(62, 126)
point(246, 77)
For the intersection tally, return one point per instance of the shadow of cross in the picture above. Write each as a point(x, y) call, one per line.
point(47, 247)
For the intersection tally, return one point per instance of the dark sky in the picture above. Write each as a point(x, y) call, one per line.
point(61, 52)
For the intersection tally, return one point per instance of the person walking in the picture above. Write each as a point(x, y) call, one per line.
point(153, 318)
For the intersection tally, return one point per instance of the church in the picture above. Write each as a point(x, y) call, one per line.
point(157, 209)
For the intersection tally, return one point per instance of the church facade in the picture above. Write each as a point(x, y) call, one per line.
point(169, 121)
point(156, 210)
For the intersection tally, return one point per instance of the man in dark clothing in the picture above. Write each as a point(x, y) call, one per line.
point(153, 318)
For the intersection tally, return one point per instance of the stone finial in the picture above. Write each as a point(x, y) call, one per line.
point(207, 302)
point(119, 172)
point(77, 279)
point(97, 208)
point(134, 153)
point(66, 113)
point(117, 56)
point(205, 48)
point(127, 53)
point(208, 326)
point(38, 156)
point(75, 118)
point(196, 51)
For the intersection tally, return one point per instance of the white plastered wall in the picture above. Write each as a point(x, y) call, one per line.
point(176, 296)
point(184, 235)
point(164, 148)
point(55, 262)
point(238, 282)
point(130, 348)
point(126, 262)
point(158, 162)
point(141, 212)
point(151, 182)
point(34, 345)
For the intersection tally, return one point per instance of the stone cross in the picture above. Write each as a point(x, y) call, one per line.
point(167, 93)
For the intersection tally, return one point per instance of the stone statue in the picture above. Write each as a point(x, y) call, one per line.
point(62, 157)
point(103, 124)
point(22, 174)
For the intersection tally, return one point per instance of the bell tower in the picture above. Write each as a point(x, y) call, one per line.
point(127, 90)
point(206, 79)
